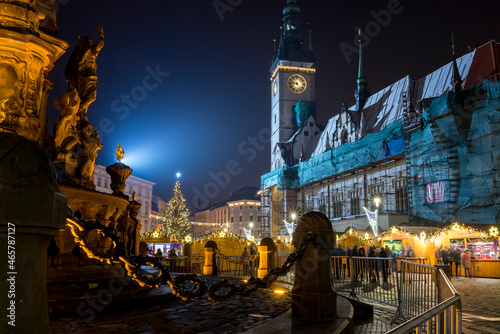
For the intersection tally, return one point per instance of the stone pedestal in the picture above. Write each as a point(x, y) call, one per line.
point(32, 211)
point(313, 294)
point(208, 266)
point(119, 174)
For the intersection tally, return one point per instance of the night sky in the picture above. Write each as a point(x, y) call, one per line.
point(211, 90)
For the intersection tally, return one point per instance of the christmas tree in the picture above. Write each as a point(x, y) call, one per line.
point(176, 223)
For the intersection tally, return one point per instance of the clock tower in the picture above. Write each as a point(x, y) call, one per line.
point(292, 80)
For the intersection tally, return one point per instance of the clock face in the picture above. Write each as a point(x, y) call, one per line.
point(275, 88)
point(297, 83)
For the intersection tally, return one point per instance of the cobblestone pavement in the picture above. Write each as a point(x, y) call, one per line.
point(177, 317)
point(480, 301)
point(480, 304)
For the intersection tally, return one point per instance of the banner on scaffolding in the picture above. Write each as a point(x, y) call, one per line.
point(434, 192)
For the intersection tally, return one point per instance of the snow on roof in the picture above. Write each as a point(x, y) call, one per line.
point(323, 144)
point(383, 107)
point(439, 81)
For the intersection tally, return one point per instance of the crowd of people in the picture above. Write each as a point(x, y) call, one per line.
point(373, 268)
point(456, 258)
point(381, 267)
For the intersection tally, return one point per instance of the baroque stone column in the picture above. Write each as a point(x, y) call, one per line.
point(32, 211)
point(28, 49)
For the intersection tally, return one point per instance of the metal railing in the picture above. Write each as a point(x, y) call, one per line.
point(422, 295)
point(445, 316)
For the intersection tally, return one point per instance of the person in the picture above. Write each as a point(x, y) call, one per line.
point(389, 263)
point(172, 255)
point(361, 263)
point(383, 263)
point(255, 263)
point(343, 253)
point(158, 253)
point(336, 262)
point(444, 256)
point(52, 251)
point(354, 262)
point(466, 263)
point(438, 254)
point(244, 259)
point(372, 264)
point(457, 257)
point(348, 260)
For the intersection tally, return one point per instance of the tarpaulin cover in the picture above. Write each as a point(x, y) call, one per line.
point(459, 144)
point(368, 149)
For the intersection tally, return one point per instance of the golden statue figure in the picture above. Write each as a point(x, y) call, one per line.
point(66, 135)
point(81, 70)
point(134, 195)
point(120, 153)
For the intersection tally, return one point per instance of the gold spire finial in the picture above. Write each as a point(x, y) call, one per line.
point(120, 153)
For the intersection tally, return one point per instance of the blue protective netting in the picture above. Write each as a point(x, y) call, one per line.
point(460, 145)
point(370, 148)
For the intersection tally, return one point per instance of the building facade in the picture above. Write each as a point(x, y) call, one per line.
point(144, 195)
point(239, 215)
point(369, 166)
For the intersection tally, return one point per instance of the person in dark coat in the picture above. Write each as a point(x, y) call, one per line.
point(361, 262)
point(372, 263)
point(383, 263)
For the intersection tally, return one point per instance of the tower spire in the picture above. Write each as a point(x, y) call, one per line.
point(310, 52)
point(291, 45)
point(362, 90)
point(456, 80)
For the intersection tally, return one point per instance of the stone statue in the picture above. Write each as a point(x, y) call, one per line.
point(65, 132)
point(90, 143)
point(81, 70)
point(120, 153)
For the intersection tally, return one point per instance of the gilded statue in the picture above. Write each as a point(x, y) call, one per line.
point(120, 153)
point(65, 132)
point(81, 70)
point(90, 143)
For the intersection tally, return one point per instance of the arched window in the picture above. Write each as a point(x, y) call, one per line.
point(344, 137)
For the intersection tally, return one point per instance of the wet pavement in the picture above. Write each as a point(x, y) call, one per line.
point(480, 298)
point(480, 304)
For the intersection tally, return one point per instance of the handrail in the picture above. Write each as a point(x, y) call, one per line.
point(415, 322)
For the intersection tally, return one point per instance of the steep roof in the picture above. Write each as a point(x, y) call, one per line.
point(386, 106)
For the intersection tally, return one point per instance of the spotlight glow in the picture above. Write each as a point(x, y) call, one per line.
point(178, 175)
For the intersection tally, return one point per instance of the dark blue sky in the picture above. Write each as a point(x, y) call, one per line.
point(210, 114)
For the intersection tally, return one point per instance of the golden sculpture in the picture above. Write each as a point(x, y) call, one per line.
point(81, 70)
point(87, 153)
point(134, 195)
point(66, 135)
point(120, 153)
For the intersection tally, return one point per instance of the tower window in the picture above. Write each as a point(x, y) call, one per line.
point(306, 133)
point(310, 124)
point(275, 118)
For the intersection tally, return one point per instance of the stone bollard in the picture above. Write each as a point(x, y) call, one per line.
point(313, 295)
point(263, 266)
point(208, 266)
point(267, 251)
point(32, 211)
